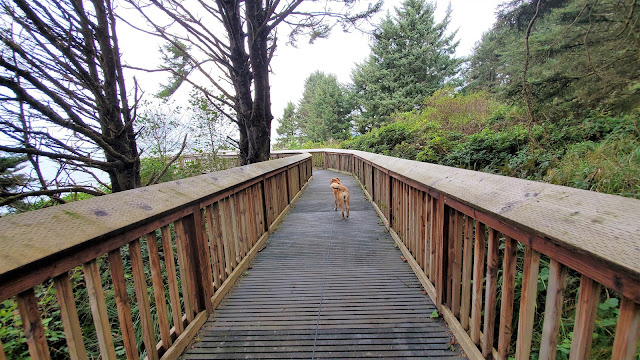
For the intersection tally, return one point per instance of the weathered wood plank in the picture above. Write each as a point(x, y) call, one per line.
point(457, 263)
point(69, 316)
point(99, 309)
point(553, 310)
point(203, 281)
point(625, 345)
point(478, 281)
point(490, 293)
point(186, 274)
point(32, 325)
point(140, 284)
point(158, 290)
point(213, 247)
point(587, 304)
point(122, 304)
point(506, 303)
point(467, 267)
point(527, 303)
point(172, 280)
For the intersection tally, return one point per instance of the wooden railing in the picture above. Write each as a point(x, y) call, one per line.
point(193, 238)
point(468, 235)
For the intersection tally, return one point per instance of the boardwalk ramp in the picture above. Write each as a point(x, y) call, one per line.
point(326, 288)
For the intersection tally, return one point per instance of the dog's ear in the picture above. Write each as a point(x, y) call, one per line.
point(338, 179)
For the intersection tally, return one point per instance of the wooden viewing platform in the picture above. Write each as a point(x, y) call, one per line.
point(326, 288)
point(208, 265)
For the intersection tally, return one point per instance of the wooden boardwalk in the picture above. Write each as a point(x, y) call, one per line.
point(326, 288)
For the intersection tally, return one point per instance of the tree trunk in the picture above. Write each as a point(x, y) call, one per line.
point(259, 125)
point(241, 75)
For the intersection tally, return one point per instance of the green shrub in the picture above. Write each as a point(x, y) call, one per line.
point(611, 166)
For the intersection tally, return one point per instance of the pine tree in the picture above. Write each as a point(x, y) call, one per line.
point(412, 56)
point(583, 56)
point(325, 108)
point(289, 127)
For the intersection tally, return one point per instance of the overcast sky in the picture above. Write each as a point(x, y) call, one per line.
point(337, 55)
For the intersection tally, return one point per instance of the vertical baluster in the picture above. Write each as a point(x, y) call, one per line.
point(506, 303)
point(490, 293)
point(457, 263)
point(588, 299)
point(426, 214)
point(99, 309)
point(69, 316)
point(467, 267)
point(172, 280)
point(222, 227)
point(451, 257)
point(422, 239)
point(240, 223)
point(627, 331)
point(182, 245)
point(269, 198)
point(553, 310)
point(2, 354)
point(251, 203)
point(32, 325)
point(433, 237)
point(235, 228)
point(527, 303)
point(405, 213)
point(248, 217)
point(200, 261)
point(262, 209)
point(410, 221)
point(122, 304)
point(140, 283)
point(213, 247)
point(158, 290)
point(478, 280)
point(441, 241)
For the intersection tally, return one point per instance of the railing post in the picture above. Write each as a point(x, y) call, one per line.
point(324, 160)
point(264, 206)
point(287, 180)
point(194, 229)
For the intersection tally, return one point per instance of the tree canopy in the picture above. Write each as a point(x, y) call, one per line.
point(242, 50)
point(412, 56)
point(64, 96)
point(583, 56)
point(325, 108)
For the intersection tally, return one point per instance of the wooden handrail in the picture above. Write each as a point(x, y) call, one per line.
point(211, 224)
point(442, 217)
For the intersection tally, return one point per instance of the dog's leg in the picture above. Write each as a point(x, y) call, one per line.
point(335, 200)
point(346, 203)
point(341, 202)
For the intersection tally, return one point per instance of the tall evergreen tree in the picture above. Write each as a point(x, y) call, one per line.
point(583, 56)
point(412, 56)
point(325, 108)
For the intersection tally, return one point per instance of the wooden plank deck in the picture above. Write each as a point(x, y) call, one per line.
point(326, 288)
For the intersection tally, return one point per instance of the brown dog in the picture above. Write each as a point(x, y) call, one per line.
point(340, 195)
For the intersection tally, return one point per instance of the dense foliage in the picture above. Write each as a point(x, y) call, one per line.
point(584, 56)
point(599, 152)
point(412, 56)
point(324, 113)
